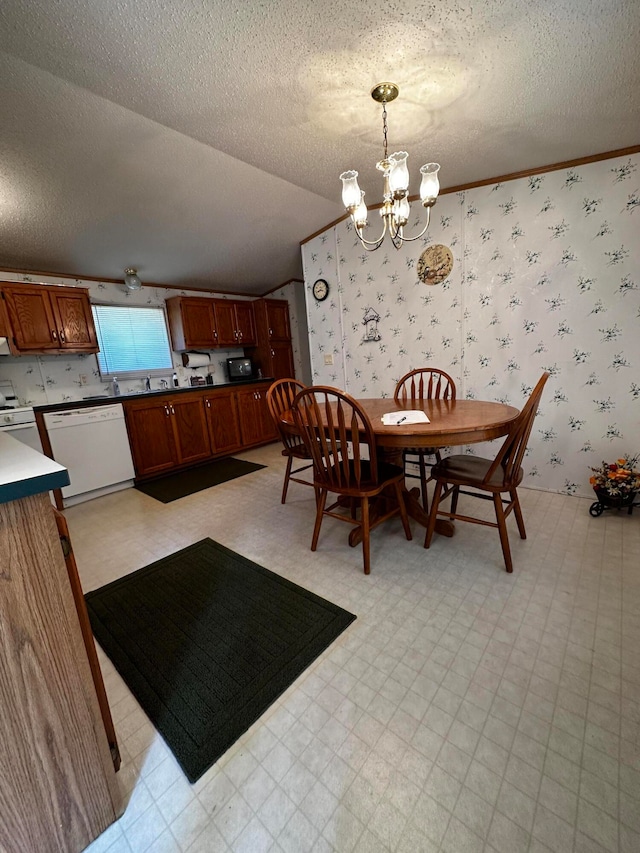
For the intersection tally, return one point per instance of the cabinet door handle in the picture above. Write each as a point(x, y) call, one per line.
point(208, 403)
point(54, 334)
point(270, 333)
point(62, 338)
point(166, 411)
point(235, 334)
point(273, 352)
point(215, 334)
point(239, 336)
point(173, 411)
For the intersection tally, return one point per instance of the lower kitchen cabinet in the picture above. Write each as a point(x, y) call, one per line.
point(256, 424)
point(222, 417)
point(190, 428)
point(178, 430)
point(166, 433)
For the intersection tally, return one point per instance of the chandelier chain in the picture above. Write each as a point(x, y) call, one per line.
point(384, 126)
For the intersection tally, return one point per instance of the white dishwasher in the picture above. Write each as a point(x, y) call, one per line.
point(93, 445)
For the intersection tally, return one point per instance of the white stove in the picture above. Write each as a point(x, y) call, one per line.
point(19, 421)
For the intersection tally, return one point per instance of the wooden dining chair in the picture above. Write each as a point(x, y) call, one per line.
point(425, 383)
point(339, 437)
point(280, 396)
point(493, 476)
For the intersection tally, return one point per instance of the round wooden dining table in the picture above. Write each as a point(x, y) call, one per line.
point(451, 423)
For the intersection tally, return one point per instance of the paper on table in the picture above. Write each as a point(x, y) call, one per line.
point(412, 416)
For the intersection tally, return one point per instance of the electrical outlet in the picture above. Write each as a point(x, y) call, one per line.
point(328, 359)
point(83, 379)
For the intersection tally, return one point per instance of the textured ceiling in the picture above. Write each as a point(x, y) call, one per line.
point(200, 140)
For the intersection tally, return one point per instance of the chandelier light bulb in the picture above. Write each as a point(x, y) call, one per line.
point(360, 215)
point(399, 174)
point(350, 190)
point(430, 186)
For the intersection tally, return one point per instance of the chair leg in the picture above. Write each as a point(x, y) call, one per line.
point(287, 474)
point(365, 535)
point(321, 496)
point(423, 482)
point(502, 527)
point(454, 499)
point(435, 503)
point(403, 511)
point(517, 511)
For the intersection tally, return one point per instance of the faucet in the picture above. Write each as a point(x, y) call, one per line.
point(116, 387)
point(147, 384)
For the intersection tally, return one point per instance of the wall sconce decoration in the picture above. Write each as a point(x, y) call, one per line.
point(131, 279)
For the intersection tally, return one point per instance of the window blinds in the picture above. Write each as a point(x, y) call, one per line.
point(131, 339)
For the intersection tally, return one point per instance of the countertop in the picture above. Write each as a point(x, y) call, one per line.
point(100, 400)
point(25, 472)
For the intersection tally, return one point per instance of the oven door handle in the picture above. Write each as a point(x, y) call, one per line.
point(16, 427)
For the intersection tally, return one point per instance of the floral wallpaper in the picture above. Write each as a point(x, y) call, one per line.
point(38, 380)
point(546, 277)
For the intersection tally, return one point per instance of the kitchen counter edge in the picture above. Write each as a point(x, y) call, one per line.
point(143, 395)
point(25, 472)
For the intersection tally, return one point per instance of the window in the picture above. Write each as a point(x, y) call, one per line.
point(133, 340)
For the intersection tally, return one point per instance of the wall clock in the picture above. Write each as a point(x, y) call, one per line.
point(320, 289)
point(435, 264)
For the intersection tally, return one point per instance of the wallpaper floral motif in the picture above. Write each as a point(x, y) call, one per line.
point(546, 277)
point(38, 380)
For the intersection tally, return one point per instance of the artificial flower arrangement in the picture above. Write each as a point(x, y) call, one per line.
point(618, 479)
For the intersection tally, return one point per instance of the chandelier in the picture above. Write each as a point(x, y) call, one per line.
point(395, 206)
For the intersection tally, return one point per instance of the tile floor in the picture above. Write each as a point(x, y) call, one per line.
point(464, 710)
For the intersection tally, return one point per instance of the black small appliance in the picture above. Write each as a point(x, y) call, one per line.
point(239, 368)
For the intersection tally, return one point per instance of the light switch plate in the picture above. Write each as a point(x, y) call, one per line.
point(328, 359)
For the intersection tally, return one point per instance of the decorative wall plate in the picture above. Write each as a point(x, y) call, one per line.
point(435, 264)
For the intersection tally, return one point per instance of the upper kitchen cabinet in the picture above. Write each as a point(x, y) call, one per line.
point(192, 323)
point(49, 319)
point(274, 352)
point(272, 317)
point(235, 323)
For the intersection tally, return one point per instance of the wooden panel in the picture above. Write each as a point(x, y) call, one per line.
point(151, 437)
point(245, 323)
point(57, 782)
point(87, 636)
point(279, 327)
point(75, 327)
point(222, 416)
point(31, 317)
point(281, 360)
point(191, 323)
point(190, 427)
point(226, 322)
point(256, 424)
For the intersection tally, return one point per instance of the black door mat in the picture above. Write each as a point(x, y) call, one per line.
point(206, 640)
point(179, 485)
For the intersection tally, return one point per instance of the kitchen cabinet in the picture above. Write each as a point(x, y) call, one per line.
point(256, 423)
point(177, 430)
point(49, 319)
point(222, 418)
point(192, 323)
point(274, 351)
point(235, 323)
point(167, 433)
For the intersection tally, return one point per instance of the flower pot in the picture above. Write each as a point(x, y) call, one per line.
point(607, 501)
